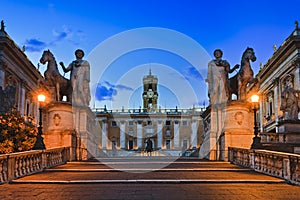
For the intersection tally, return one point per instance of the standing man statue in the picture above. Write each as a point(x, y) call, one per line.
point(80, 79)
point(290, 100)
point(217, 79)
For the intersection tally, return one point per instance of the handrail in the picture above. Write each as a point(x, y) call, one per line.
point(16, 165)
point(278, 164)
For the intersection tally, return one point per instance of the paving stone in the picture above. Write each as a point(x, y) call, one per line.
point(268, 188)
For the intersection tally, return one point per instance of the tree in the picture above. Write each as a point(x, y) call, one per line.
point(16, 133)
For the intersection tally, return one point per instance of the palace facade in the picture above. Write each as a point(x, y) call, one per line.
point(17, 72)
point(279, 92)
point(172, 131)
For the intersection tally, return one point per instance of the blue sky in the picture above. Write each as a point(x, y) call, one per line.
point(64, 26)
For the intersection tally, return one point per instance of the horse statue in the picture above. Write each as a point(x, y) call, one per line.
point(54, 79)
point(238, 83)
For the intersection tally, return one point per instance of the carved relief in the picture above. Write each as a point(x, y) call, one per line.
point(239, 118)
point(56, 119)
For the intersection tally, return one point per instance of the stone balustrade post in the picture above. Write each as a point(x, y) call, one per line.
point(252, 159)
point(286, 168)
point(10, 168)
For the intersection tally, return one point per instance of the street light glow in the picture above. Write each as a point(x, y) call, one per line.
point(254, 98)
point(41, 98)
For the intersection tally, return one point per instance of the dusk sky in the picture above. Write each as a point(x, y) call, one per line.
point(123, 40)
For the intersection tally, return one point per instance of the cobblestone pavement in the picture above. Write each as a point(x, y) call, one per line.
point(183, 179)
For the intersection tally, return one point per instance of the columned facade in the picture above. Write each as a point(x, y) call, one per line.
point(169, 131)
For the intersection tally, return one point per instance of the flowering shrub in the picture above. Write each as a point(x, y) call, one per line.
point(15, 133)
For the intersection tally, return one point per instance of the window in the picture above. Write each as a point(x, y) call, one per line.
point(130, 123)
point(149, 123)
point(270, 108)
point(168, 123)
point(113, 123)
point(27, 109)
point(168, 132)
point(184, 123)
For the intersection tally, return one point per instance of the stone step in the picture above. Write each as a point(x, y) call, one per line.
point(150, 181)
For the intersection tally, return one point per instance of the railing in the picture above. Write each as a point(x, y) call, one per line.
point(278, 164)
point(156, 111)
point(16, 165)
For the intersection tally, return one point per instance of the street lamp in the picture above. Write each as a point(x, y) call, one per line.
point(39, 143)
point(256, 139)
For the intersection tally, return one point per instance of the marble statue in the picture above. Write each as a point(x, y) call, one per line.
point(217, 79)
point(238, 83)
point(54, 79)
point(290, 100)
point(80, 79)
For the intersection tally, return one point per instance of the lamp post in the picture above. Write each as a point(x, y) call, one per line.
point(39, 143)
point(256, 139)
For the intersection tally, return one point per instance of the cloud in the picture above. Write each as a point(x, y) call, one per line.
point(34, 45)
point(106, 90)
point(66, 34)
point(104, 93)
point(191, 72)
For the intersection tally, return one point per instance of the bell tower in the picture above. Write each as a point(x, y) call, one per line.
point(150, 94)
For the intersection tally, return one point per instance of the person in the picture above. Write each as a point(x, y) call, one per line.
point(80, 79)
point(290, 100)
point(218, 79)
point(149, 146)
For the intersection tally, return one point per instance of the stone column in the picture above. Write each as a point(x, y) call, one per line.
point(276, 100)
point(139, 134)
point(104, 134)
point(159, 135)
point(2, 77)
point(176, 135)
point(122, 135)
point(194, 134)
point(297, 75)
point(22, 99)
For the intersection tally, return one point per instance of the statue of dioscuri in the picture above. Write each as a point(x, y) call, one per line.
point(54, 79)
point(239, 82)
point(217, 79)
point(80, 79)
point(290, 102)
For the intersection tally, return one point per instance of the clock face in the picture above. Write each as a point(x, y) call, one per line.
point(150, 93)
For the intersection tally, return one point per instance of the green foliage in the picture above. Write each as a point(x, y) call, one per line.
point(15, 133)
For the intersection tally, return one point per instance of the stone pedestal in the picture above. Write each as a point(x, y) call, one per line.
point(290, 130)
point(88, 131)
point(226, 126)
point(58, 127)
point(238, 128)
point(65, 125)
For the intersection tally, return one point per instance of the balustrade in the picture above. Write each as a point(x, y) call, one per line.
point(16, 165)
point(278, 164)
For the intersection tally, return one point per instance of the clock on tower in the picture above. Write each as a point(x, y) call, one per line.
point(150, 94)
